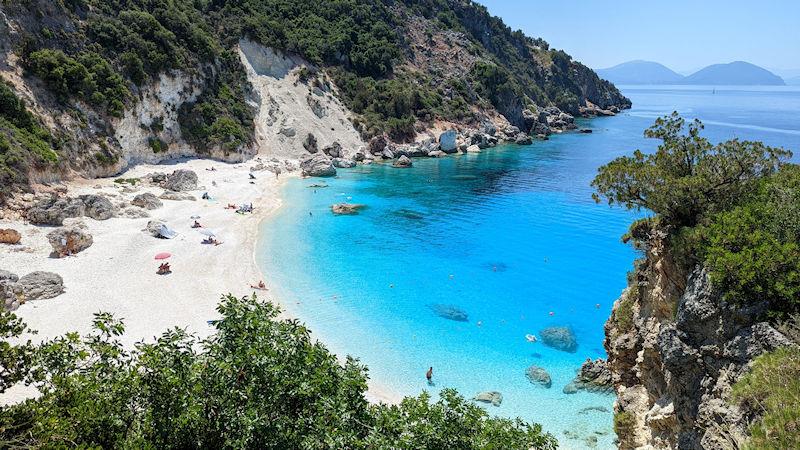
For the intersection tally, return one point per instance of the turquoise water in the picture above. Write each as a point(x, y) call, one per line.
point(508, 236)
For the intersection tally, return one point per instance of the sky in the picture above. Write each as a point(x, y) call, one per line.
point(681, 34)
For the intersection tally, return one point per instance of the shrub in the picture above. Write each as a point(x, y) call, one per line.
point(258, 382)
point(773, 388)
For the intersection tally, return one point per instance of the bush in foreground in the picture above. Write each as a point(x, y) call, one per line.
point(258, 382)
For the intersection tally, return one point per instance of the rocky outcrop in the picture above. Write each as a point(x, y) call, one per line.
point(70, 240)
point(675, 348)
point(447, 140)
point(559, 338)
point(181, 180)
point(53, 211)
point(40, 285)
point(343, 163)
point(593, 376)
point(97, 207)
point(147, 201)
point(317, 165)
point(346, 209)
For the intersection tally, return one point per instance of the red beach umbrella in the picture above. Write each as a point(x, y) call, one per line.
point(163, 255)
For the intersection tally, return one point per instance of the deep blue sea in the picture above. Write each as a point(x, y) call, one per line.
point(509, 236)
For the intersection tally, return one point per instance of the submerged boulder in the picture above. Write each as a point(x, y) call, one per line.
point(538, 375)
point(317, 165)
point(346, 209)
point(147, 201)
point(181, 180)
point(493, 397)
point(559, 338)
point(450, 312)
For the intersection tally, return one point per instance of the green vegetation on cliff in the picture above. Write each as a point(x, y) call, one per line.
point(732, 206)
point(24, 142)
point(256, 383)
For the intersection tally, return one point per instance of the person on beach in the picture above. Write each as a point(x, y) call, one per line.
point(206, 196)
point(429, 375)
point(260, 285)
point(196, 224)
point(164, 269)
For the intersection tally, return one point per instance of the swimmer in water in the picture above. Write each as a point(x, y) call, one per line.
point(597, 306)
point(552, 313)
point(480, 322)
point(429, 375)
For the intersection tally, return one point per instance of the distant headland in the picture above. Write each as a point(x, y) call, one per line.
point(737, 73)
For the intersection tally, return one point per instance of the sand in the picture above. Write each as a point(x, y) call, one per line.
point(117, 274)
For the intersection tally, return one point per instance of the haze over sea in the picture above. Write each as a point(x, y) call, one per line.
point(434, 234)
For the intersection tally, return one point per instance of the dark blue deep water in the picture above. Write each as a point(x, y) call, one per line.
point(508, 236)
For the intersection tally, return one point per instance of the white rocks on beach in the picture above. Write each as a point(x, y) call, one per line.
point(147, 200)
point(181, 180)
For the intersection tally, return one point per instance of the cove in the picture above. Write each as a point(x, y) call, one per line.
point(507, 236)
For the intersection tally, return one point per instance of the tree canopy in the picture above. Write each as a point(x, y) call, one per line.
point(258, 382)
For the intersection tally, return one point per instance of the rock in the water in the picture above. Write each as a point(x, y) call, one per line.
point(53, 211)
point(585, 130)
point(447, 141)
point(450, 312)
point(97, 207)
point(493, 397)
point(437, 154)
point(403, 162)
point(171, 195)
point(181, 180)
point(473, 149)
point(310, 144)
point(538, 375)
point(69, 240)
point(594, 376)
point(347, 209)
point(570, 388)
point(560, 338)
point(37, 285)
point(523, 139)
point(147, 201)
point(9, 236)
point(387, 154)
point(317, 165)
point(334, 150)
point(343, 163)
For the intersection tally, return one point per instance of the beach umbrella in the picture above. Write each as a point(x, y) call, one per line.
point(206, 232)
point(163, 255)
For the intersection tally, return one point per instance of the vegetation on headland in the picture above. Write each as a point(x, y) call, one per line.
point(258, 382)
point(733, 207)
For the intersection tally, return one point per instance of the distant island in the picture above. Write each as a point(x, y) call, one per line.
point(738, 73)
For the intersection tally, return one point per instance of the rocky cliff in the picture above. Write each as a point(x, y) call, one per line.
point(675, 349)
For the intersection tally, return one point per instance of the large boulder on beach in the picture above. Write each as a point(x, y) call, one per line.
point(97, 207)
point(523, 139)
point(53, 210)
point(69, 240)
point(346, 209)
point(493, 397)
point(178, 196)
point(9, 236)
point(317, 165)
point(310, 144)
point(450, 312)
point(447, 141)
point(559, 338)
point(147, 201)
point(403, 162)
point(153, 228)
point(377, 144)
point(538, 375)
point(181, 180)
point(8, 276)
point(38, 285)
point(10, 291)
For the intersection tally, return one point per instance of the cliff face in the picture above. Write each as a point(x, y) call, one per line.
point(674, 349)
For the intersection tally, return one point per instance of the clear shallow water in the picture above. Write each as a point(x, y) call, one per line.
point(433, 234)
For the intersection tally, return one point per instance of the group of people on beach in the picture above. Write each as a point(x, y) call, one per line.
point(164, 269)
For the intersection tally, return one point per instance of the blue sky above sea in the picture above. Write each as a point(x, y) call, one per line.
point(684, 35)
